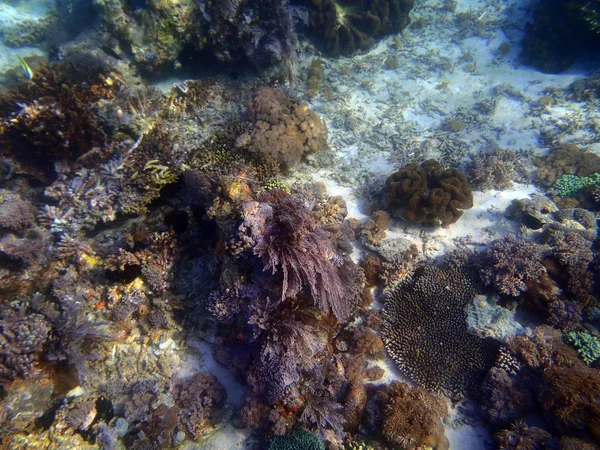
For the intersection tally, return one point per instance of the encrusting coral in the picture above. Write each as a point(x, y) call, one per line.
point(429, 193)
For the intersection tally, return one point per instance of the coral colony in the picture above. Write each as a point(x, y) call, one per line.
point(299, 225)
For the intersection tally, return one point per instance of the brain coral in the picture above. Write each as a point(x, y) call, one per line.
point(283, 129)
point(429, 193)
point(425, 332)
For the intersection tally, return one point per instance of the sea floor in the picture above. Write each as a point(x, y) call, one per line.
point(452, 80)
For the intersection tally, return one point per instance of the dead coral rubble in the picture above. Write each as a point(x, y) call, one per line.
point(429, 193)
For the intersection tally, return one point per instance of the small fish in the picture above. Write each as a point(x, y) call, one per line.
point(26, 68)
point(532, 222)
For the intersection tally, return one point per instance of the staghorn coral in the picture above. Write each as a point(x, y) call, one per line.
point(426, 334)
point(492, 169)
point(513, 266)
point(428, 193)
point(282, 129)
point(413, 418)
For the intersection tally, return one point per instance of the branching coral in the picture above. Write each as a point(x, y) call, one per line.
point(283, 129)
point(429, 193)
point(511, 265)
point(23, 336)
point(492, 169)
point(426, 334)
point(413, 418)
point(55, 115)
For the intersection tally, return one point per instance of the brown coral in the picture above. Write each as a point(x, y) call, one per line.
point(429, 193)
point(56, 115)
point(283, 129)
point(413, 418)
point(567, 159)
point(492, 169)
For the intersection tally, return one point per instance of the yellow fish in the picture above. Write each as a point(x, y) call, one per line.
point(26, 68)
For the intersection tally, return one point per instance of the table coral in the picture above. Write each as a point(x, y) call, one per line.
point(426, 334)
point(429, 193)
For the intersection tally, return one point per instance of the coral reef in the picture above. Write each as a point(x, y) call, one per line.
point(58, 114)
point(344, 29)
point(492, 169)
point(566, 159)
point(282, 129)
point(548, 380)
point(587, 345)
point(413, 418)
point(298, 439)
point(426, 334)
point(23, 338)
point(511, 265)
point(284, 235)
point(558, 34)
point(429, 193)
point(260, 33)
